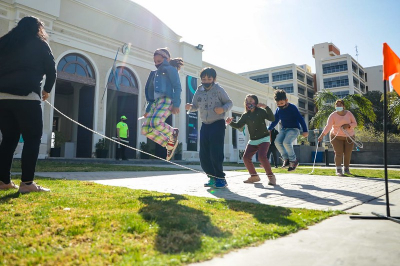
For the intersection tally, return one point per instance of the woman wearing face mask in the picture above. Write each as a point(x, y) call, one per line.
point(254, 117)
point(338, 122)
point(163, 95)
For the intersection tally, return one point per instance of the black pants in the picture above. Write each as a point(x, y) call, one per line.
point(20, 117)
point(272, 149)
point(212, 148)
point(121, 150)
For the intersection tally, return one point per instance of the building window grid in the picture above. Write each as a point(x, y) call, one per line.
point(302, 104)
point(361, 73)
point(311, 107)
point(287, 87)
point(356, 82)
point(301, 89)
point(300, 76)
point(362, 86)
point(341, 94)
point(283, 75)
point(261, 79)
point(354, 67)
point(336, 82)
point(310, 81)
point(334, 67)
point(310, 94)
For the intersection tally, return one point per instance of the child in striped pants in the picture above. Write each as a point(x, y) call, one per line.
point(163, 90)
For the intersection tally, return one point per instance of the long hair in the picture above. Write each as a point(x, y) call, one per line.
point(255, 101)
point(27, 29)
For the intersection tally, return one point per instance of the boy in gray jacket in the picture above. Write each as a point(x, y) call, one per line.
point(212, 102)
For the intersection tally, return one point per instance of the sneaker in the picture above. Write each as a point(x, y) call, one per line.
point(347, 171)
point(285, 163)
point(210, 183)
point(172, 144)
point(252, 179)
point(339, 172)
point(4, 186)
point(24, 188)
point(220, 183)
point(293, 165)
point(271, 180)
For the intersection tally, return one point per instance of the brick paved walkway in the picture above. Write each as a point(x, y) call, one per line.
point(293, 190)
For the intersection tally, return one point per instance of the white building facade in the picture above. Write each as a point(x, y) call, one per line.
point(84, 36)
point(374, 78)
point(340, 74)
point(296, 80)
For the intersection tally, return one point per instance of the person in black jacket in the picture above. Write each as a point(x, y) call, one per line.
point(25, 57)
point(272, 148)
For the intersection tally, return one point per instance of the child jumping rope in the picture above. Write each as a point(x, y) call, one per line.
point(254, 117)
point(163, 95)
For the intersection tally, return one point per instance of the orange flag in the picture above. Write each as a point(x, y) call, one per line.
point(391, 66)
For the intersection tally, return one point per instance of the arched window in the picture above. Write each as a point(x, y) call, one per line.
point(126, 81)
point(74, 67)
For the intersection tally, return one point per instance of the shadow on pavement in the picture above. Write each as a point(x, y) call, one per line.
point(296, 193)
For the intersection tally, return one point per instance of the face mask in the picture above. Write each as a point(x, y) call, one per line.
point(207, 85)
point(157, 66)
point(281, 107)
point(250, 106)
point(339, 109)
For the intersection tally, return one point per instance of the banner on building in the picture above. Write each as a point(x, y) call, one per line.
point(192, 131)
point(241, 145)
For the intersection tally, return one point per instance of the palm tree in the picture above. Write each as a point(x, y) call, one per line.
point(394, 108)
point(357, 104)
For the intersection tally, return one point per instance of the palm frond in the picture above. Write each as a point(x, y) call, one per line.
point(324, 97)
point(321, 116)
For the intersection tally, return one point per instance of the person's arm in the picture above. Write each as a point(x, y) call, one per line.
point(225, 100)
point(328, 127)
point(353, 122)
point(277, 118)
point(301, 120)
point(268, 114)
point(194, 106)
point(176, 86)
point(239, 124)
point(128, 133)
point(50, 71)
point(119, 138)
point(146, 91)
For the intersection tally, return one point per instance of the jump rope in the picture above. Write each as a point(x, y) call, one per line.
point(357, 143)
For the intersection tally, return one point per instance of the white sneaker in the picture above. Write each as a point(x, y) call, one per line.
point(4, 186)
point(24, 188)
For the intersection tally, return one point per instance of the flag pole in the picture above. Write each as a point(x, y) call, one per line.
point(377, 215)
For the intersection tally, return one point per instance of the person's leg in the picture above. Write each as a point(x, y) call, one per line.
point(291, 135)
point(205, 150)
point(123, 156)
point(247, 159)
point(30, 121)
point(154, 127)
point(118, 152)
point(279, 146)
point(262, 151)
point(216, 140)
point(348, 149)
point(338, 148)
point(272, 150)
point(10, 135)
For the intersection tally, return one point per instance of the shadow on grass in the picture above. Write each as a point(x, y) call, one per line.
point(180, 226)
point(9, 196)
point(266, 214)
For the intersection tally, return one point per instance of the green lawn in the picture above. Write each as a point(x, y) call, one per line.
point(86, 223)
point(51, 166)
point(375, 173)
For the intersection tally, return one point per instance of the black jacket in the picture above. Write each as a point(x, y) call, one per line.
point(22, 70)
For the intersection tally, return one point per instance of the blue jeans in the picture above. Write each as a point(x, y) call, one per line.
point(284, 143)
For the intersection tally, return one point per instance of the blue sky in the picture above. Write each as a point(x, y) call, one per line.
point(248, 35)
